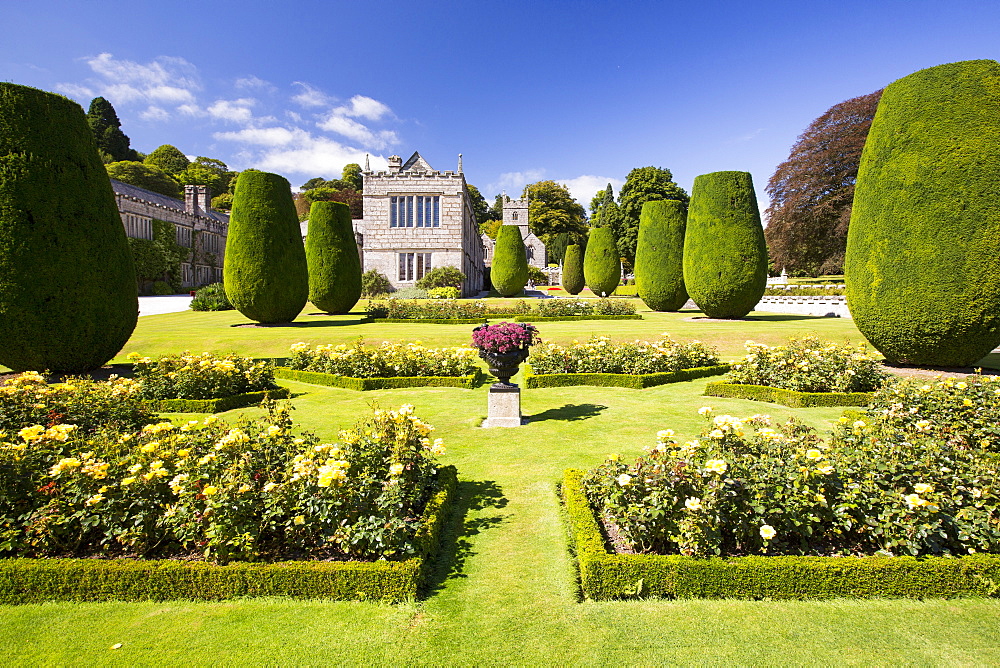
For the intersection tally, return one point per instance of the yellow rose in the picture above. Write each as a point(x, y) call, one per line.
point(210, 490)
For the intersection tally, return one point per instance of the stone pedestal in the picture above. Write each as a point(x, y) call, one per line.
point(504, 407)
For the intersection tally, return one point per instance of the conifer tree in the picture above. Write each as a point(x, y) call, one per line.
point(659, 255)
point(265, 273)
point(104, 123)
point(68, 296)
point(602, 267)
point(572, 273)
point(332, 257)
point(509, 273)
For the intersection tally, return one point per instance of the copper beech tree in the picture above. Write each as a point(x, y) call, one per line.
point(812, 191)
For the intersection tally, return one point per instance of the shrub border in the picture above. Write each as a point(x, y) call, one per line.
point(433, 321)
point(39, 580)
point(556, 318)
point(777, 395)
point(633, 381)
point(219, 405)
point(365, 384)
point(606, 576)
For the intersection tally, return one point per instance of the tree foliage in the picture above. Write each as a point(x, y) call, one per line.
point(643, 184)
point(659, 256)
point(168, 158)
point(572, 273)
point(812, 191)
point(509, 273)
point(442, 277)
point(104, 123)
point(923, 247)
point(208, 172)
point(725, 257)
point(144, 176)
point(265, 270)
point(602, 268)
point(332, 258)
point(552, 210)
point(68, 300)
point(480, 206)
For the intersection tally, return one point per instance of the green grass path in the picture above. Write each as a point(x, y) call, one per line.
point(505, 592)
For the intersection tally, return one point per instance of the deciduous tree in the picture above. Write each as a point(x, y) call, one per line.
point(813, 190)
point(552, 210)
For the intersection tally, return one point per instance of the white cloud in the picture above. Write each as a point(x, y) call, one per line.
point(310, 96)
point(265, 136)
point(351, 129)
point(154, 113)
point(583, 188)
point(233, 111)
point(162, 71)
point(75, 90)
point(363, 107)
point(254, 83)
point(747, 137)
point(191, 110)
point(513, 182)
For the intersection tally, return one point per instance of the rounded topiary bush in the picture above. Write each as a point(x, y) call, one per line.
point(510, 262)
point(572, 270)
point(68, 294)
point(602, 266)
point(923, 246)
point(725, 256)
point(265, 270)
point(332, 257)
point(659, 255)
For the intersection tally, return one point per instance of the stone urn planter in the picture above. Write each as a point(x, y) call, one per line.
point(504, 365)
point(503, 347)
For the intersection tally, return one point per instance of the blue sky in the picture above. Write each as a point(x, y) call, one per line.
point(578, 92)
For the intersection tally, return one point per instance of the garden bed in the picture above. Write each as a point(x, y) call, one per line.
point(218, 405)
point(605, 575)
point(365, 384)
point(38, 580)
point(634, 381)
point(432, 321)
point(777, 395)
point(555, 318)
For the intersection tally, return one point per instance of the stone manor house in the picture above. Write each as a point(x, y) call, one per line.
point(417, 218)
point(197, 226)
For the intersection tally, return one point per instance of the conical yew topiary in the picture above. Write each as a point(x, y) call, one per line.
point(572, 270)
point(509, 273)
point(725, 257)
point(923, 246)
point(659, 255)
point(265, 271)
point(332, 256)
point(68, 297)
point(602, 266)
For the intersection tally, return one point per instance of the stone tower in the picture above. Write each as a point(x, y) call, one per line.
point(515, 212)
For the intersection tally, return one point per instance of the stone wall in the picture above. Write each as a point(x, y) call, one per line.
point(456, 242)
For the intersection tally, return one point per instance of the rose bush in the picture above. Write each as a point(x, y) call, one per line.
point(809, 365)
point(387, 360)
point(602, 355)
point(27, 400)
point(247, 492)
point(204, 376)
point(750, 486)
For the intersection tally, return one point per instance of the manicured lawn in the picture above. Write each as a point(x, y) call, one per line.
point(505, 591)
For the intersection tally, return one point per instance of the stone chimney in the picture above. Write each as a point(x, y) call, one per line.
point(395, 164)
point(197, 199)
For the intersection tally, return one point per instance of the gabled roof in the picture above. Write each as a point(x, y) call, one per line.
point(129, 190)
point(416, 163)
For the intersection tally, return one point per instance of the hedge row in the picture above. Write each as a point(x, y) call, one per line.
point(606, 576)
point(39, 580)
point(553, 318)
point(219, 405)
point(777, 395)
point(634, 381)
point(433, 321)
point(364, 384)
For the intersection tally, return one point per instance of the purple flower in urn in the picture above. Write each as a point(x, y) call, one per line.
point(504, 337)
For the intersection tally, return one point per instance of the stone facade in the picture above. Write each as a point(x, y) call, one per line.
point(515, 212)
point(198, 227)
point(417, 218)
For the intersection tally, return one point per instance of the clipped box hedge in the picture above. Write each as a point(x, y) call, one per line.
point(777, 395)
point(40, 580)
point(433, 321)
point(219, 405)
point(364, 384)
point(634, 381)
point(554, 318)
point(607, 576)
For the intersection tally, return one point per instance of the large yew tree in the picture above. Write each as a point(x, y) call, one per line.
point(812, 191)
